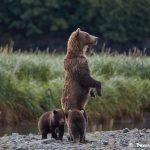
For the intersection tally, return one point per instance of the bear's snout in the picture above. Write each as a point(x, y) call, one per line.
point(62, 122)
point(94, 39)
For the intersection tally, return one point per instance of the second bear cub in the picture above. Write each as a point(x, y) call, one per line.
point(77, 124)
point(52, 122)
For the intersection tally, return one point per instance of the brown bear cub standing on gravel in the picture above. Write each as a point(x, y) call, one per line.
point(78, 80)
point(77, 124)
point(52, 122)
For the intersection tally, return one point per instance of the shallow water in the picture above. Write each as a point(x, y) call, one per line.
point(26, 127)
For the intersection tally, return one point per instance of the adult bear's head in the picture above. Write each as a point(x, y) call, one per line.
point(79, 41)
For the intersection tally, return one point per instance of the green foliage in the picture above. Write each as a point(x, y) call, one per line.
point(30, 81)
point(125, 85)
point(120, 20)
point(34, 82)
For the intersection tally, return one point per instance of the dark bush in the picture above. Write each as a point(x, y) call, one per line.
point(117, 20)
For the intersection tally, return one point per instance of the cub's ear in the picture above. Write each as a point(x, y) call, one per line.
point(77, 31)
point(82, 111)
point(55, 112)
point(69, 110)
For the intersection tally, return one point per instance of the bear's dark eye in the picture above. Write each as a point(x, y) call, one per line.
point(87, 35)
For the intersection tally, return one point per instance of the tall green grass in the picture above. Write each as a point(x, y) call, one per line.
point(32, 83)
point(125, 86)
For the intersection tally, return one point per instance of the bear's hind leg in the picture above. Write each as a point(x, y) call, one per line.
point(54, 135)
point(44, 135)
point(70, 136)
point(82, 137)
point(61, 132)
point(86, 118)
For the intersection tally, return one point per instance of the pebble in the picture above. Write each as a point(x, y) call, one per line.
point(125, 130)
point(15, 134)
point(105, 142)
point(19, 148)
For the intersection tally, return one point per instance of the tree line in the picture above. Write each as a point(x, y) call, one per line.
point(116, 20)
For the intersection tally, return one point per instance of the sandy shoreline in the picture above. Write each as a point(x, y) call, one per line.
point(105, 140)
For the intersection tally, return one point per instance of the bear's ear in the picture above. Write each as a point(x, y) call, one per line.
point(55, 112)
point(82, 111)
point(77, 31)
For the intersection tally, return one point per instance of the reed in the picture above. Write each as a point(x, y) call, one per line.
point(31, 83)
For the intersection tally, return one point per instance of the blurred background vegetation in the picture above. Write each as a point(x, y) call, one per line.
point(32, 83)
point(47, 23)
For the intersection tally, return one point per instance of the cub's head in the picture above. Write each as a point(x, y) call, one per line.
point(79, 41)
point(75, 113)
point(58, 116)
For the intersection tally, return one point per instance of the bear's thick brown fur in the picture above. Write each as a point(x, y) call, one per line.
point(52, 122)
point(78, 80)
point(76, 124)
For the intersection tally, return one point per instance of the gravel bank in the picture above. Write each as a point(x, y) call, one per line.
point(109, 140)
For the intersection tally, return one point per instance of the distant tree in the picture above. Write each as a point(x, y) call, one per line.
point(117, 20)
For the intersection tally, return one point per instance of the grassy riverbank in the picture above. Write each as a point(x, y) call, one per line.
point(32, 83)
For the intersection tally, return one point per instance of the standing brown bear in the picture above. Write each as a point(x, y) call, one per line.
point(52, 122)
point(78, 80)
point(76, 123)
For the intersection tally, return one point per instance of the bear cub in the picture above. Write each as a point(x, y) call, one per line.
point(52, 122)
point(77, 124)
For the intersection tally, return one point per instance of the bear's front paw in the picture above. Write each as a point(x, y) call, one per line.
point(98, 90)
point(92, 94)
